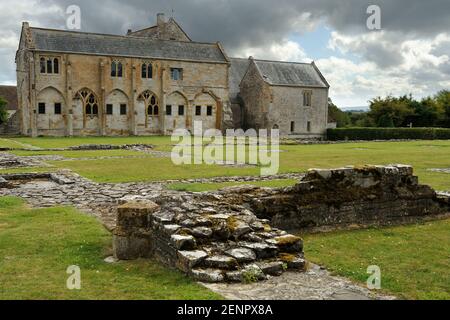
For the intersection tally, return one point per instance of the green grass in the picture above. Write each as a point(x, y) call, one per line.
point(422, 155)
point(28, 170)
point(146, 169)
point(82, 154)
point(64, 142)
point(414, 259)
point(200, 187)
point(8, 143)
point(37, 246)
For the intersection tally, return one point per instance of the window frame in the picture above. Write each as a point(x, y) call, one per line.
point(41, 108)
point(49, 65)
point(169, 110)
point(179, 74)
point(307, 98)
point(109, 109)
point(58, 108)
point(123, 109)
point(198, 111)
point(117, 69)
point(209, 111)
point(181, 110)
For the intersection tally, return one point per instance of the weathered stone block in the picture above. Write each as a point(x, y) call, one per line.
point(208, 275)
point(221, 262)
point(135, 214)
point(131, 247)
point(242, 254)
point(183, 242)
point(274, 268)
point(189, 259)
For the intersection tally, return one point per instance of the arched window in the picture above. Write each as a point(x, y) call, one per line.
point(113, 69)
point(150, 71)
point(89, 102)
point(151, 104)
point(42, 65)
point(147, 70)
point(119, 69)
point(116, 69)
point(55, 65)
point(49, 66)
point(144, 71)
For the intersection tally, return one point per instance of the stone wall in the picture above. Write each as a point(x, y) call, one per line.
point(233, 235)
point(203, 84)
point(276, 107)
point(287, 106)
point(204, 237)
point(330, 199)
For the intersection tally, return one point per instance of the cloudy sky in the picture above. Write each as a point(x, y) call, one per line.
point(411, 54)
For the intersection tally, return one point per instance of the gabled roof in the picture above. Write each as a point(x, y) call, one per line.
point(9, 93)
point(291, 74)
point(154, 29)
point(238, 68)
point(125, 46)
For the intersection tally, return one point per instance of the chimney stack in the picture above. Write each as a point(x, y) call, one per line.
point(160, 19)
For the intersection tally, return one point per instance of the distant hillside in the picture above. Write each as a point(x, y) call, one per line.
point(356, 109)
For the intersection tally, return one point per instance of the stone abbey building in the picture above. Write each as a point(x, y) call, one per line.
point(156, 80)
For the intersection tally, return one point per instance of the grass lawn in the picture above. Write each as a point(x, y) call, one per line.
point(64, 142)
point(423, 155)
point(37, 246)
point(147, 169)
point(8, 143)
point(200, 187)
point(82, 154)
point(414, 259)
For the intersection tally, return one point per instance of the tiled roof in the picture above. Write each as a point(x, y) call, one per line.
point(238, 69)
point(112, 45)
point(290, 73)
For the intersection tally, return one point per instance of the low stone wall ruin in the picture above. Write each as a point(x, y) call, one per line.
point(330, 199)
point(210, 240)
point(233, 235)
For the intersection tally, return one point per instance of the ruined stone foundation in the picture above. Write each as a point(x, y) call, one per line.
point(209, 239)
point(349, 197)
point(230, 235)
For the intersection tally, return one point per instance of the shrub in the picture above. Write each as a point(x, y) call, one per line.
point(388, 134)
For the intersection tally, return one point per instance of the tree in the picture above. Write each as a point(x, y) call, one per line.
point(443, 103)
point(3, 111)
point(391, 110)
point(426, 113)
point(337, 115)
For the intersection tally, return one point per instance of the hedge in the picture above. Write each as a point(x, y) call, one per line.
point(388, 134)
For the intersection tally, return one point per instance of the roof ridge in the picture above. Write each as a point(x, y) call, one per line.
point(119, 36)
point(239, 58)
point(275, 61)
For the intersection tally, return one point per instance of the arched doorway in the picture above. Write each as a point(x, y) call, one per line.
point(117, 113)
point(50, 106)
point(176, 111)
